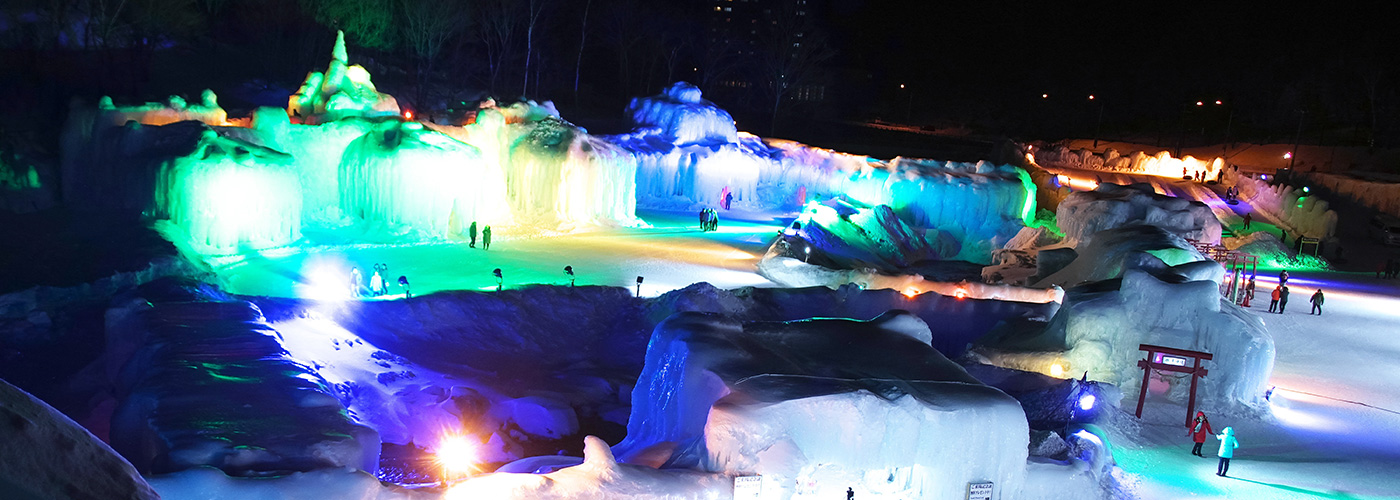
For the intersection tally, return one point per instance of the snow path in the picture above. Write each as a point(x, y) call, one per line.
point(671, 254)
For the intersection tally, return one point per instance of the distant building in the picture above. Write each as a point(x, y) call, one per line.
point(744, 30)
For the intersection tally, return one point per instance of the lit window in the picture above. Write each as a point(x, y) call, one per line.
point(728, 9)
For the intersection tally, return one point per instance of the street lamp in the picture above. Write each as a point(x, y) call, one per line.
point(909, 107)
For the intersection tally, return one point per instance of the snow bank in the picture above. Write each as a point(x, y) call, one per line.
point(44, 454)
point(342, 91)
point(1108, 206)
point(1162, 164)
point(600, 476)
point(208, 483)
point(270, 414)
point(823, 404)
point(1291, 208)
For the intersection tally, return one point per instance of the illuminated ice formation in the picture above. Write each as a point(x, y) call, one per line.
point(687, 154)
point(1296, 211)
point(316, 150)
point(817, 406)
point(230, 196)
point(1376, 193)
point(403, 174)
point(342, 91)
point(1144, 284)
point(1161, 164)
point(1108, 206)
point(207, 111)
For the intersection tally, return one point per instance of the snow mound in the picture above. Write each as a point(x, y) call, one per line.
point(208, 483)
point(820, 400)
point(342, 91)
point(1108, 206)
point(44, 454)
point(681, 116)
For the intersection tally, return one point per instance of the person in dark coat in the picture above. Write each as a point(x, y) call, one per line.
point(1316, 303)
point(1282, 298)
point(403, 282)
point(704, 219)
point(472, 233)
point(1198, 429)
point(1283, 277)
point(486, 238)
point(1247, 219)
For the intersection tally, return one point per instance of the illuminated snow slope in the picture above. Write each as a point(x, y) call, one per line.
point(817, 406)
point(1162, 164)
point(209, 385)
point(1298, 212)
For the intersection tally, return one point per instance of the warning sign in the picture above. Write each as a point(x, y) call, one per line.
point(982, 490)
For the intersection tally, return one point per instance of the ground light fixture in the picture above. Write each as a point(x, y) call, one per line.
point(639, 286)
point(569, 271)
point(456, 455)
point(500, 280)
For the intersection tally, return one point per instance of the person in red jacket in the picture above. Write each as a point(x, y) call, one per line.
point(1198, 430)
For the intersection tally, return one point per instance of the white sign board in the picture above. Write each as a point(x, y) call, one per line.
point(748, 487)
point(979, 491)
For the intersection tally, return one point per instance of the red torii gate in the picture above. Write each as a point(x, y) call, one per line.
point(1172, 360)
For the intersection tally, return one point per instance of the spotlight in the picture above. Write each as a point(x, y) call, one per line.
point(1057, 371)
point(455, 454)
point(1086, 402)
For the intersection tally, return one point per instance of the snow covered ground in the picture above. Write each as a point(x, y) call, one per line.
point(672, 253)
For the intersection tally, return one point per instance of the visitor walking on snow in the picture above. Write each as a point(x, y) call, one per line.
point(1282, 298)
point(1316, 303)
point(376, 282)
point(704, 219)
point(1283, 277)
point(1273, 298)
point(486, 238)
point(1247, 219)
point(1198, 429)
point(1228, 443)
point(471, 232)
point(357, 280)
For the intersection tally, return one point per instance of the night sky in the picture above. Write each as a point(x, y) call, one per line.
point(982, 65)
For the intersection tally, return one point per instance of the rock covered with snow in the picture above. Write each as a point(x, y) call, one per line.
point(44, 454)
point(819, 400)
point(1108, 206)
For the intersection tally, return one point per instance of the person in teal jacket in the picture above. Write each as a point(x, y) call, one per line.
point(1228, 443)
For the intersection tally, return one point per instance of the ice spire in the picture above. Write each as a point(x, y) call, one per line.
point(338, 54)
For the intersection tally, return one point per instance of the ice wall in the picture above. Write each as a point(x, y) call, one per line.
point(823, 404)
point(686, 155)
point(1108, 206)
point(316, 150)
point(1137, 162)
point(401, 173)
point(1292, 209)
point(342, 91)
point(230, 196)
point(1374, 193)
point(175, 109)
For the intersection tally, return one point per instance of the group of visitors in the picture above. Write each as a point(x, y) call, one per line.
point(1279, 297)
point(378, 285)
point(485, 236)
point(1389, 270)
point(709, 219)
point(1199, 428)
